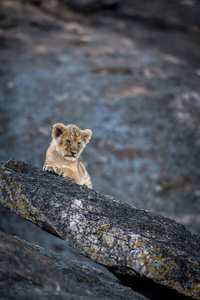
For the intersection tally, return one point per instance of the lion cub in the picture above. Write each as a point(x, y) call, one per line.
point(62, 155)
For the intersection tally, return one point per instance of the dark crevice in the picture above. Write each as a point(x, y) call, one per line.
point(148, 288)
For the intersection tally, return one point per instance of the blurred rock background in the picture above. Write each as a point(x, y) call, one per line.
point(127, 70)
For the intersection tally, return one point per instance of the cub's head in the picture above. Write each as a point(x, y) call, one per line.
point(70, 140)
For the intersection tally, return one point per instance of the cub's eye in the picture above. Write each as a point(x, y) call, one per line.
point(68, 142)
point(79, 144)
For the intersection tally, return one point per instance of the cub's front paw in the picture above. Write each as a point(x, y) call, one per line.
point(58, 171)
point(48, 168)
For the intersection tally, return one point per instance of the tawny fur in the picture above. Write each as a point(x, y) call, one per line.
point(62, 156)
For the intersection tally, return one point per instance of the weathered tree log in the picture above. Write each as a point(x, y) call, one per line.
point(130, 242)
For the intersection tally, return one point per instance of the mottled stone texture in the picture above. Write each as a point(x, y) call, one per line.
point(30, 272)
point(128, 241)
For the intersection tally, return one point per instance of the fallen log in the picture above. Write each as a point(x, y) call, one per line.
point(132, 243)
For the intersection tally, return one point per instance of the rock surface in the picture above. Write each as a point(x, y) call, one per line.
point(132, 84)
point(131, 243)
point(28, 271)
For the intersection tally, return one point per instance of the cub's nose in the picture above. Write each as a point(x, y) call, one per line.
point(73, 152)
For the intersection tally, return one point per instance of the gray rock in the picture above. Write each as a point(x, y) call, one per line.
point(131, 243)
point(30, 272)
point(91, 4)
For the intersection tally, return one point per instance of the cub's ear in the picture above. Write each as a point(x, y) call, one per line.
point(86, 135)
point(57, 130)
